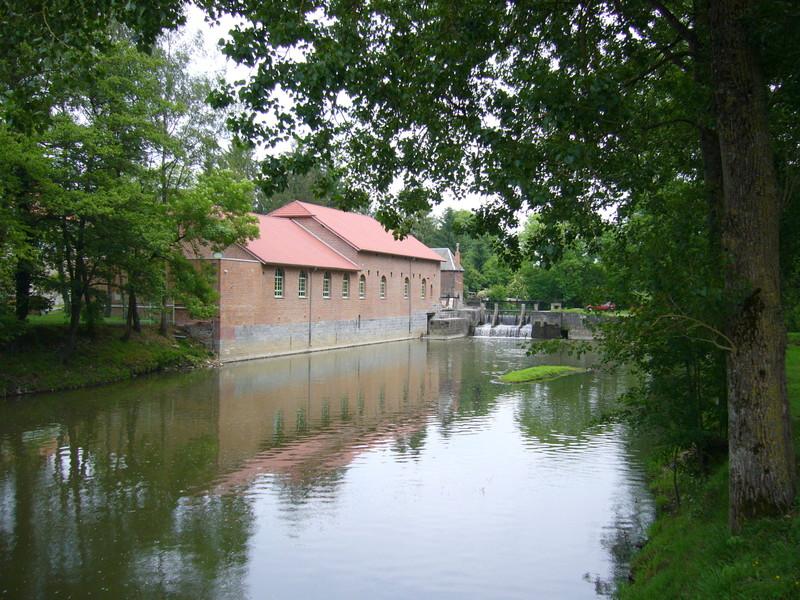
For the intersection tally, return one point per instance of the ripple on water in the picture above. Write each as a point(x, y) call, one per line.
point(394, 471)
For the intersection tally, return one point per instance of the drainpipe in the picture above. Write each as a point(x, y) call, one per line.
point(216, 324)
point(409, 295)
point(310, 301)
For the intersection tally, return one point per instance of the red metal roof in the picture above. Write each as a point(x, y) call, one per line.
point(360, 231)
point(284, 242)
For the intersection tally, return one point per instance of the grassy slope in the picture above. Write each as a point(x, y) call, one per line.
point(36, 364)
point(690, 553)
point(539, 373)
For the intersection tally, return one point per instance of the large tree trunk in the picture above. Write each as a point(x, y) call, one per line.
point(762, 469)
point(163, 326)
point(22, 283)
point(75, 306)
point(132, 321)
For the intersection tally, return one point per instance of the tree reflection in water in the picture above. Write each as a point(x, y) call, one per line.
point(154, 487)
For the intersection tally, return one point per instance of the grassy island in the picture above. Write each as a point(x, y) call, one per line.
point(35, 361)
point(539, 373)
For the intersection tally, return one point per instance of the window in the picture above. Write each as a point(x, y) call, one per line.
point(346, 285)
point(279, 283)
point(326, 285)
point(362, 287)
point(422, 295)
point(406, 287)
point(383, 286)
point(302, 284)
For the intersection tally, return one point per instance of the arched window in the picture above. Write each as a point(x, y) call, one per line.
point(326, 284)
point(279, 283)
point(362, 286)
point(406, 287)
point(383, 286)
point(422, 294)
point(346, 285)
point(302, 284)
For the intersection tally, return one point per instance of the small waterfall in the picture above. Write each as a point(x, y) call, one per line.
point(503, 330)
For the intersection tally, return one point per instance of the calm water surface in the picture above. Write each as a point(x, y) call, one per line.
point(392, 471)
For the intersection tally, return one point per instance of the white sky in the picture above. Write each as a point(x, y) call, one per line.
point(212, 62)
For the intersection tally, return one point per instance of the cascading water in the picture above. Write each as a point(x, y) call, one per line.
point(503, 330)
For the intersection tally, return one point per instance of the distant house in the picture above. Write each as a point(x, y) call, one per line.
point(452, 286)
point(317, 278)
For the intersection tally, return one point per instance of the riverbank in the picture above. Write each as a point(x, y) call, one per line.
point(34, 363)
point(691, 554)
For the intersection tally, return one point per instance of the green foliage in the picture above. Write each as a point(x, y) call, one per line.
point(690, 552)
point(673, 333)
point(110, 191)
point(36, 364)
point(498, 292)
point(539, 373)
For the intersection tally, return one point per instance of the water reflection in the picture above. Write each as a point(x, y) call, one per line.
point(388, 471)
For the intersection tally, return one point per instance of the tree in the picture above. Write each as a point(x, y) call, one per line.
point(187, 131)
point(761, 450)
point(98, 144)
point(123, 202)
point(46, 46)
point(563, 109)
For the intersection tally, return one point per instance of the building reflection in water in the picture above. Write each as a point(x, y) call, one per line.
point(151, 488)
point(307, 416)
point(125, 488)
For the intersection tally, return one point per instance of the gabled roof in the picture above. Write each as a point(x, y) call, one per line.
point(360, 231)
point(448, 260)
point(284, 242)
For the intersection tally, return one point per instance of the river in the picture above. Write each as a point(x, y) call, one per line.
point(400, 470)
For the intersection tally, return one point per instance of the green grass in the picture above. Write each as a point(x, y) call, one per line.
point(57, 317)
point(539, 373)
point(36, 363)
point(691, 554)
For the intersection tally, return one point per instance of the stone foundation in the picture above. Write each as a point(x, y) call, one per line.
point(258, 341)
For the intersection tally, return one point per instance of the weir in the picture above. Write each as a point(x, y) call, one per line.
point(544, 324)
point(503, 330)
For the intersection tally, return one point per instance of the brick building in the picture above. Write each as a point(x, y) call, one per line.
point(452, 277)
point(321, 278)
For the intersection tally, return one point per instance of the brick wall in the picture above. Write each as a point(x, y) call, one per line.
point(253, 322)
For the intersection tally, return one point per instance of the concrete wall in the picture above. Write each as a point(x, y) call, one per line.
point(254, 323)
point(577, 325)
point(448, 327)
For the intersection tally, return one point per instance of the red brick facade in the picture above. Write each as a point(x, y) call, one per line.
point(254, 321)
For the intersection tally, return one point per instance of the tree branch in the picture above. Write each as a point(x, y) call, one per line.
point(677, 25)
point(697, 323)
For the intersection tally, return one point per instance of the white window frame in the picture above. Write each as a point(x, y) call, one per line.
point(278, 281)
point(346, 285)
point(326, 284)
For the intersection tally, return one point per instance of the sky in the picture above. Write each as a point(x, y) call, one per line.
point(212, 61)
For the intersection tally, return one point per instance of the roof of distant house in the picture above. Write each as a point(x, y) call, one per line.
point(284, 242)
point(448, 260)
point(360, 231)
